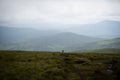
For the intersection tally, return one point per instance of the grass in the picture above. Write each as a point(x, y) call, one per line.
point(28, 65)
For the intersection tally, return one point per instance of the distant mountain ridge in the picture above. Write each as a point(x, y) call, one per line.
point(10, 35)
point(39, 40)
point(105, 29)
point(56, 42)
point(102, 44)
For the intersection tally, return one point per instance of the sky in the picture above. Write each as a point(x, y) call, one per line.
point(58, 11)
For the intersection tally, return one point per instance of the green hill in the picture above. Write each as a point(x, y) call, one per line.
point(102, 44)
point(105, 50)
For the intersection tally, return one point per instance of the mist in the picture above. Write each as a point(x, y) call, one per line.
point(57, 24)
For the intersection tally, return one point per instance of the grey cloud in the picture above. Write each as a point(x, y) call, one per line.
point(58, 11)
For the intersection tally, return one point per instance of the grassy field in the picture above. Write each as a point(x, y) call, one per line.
point(26, 65)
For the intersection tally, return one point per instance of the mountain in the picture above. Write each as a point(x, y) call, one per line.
point(11, 35)
point(38, 40)
point(103, 44)
point(104, 29)
point(55, 42)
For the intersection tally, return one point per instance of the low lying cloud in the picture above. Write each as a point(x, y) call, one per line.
point(59, 11)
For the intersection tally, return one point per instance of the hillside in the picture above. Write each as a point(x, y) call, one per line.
point(106, 50)
point(110, 43)
point(55, 42)
point(37, 40)
point(103, 44)
point(11, 35)
point(26, 65)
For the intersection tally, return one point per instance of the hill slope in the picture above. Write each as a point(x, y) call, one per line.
point(10, 35)
point(26, 65)
point(103, 44)
point(53, 43)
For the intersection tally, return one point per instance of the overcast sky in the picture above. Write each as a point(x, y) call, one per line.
point(59, 11)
